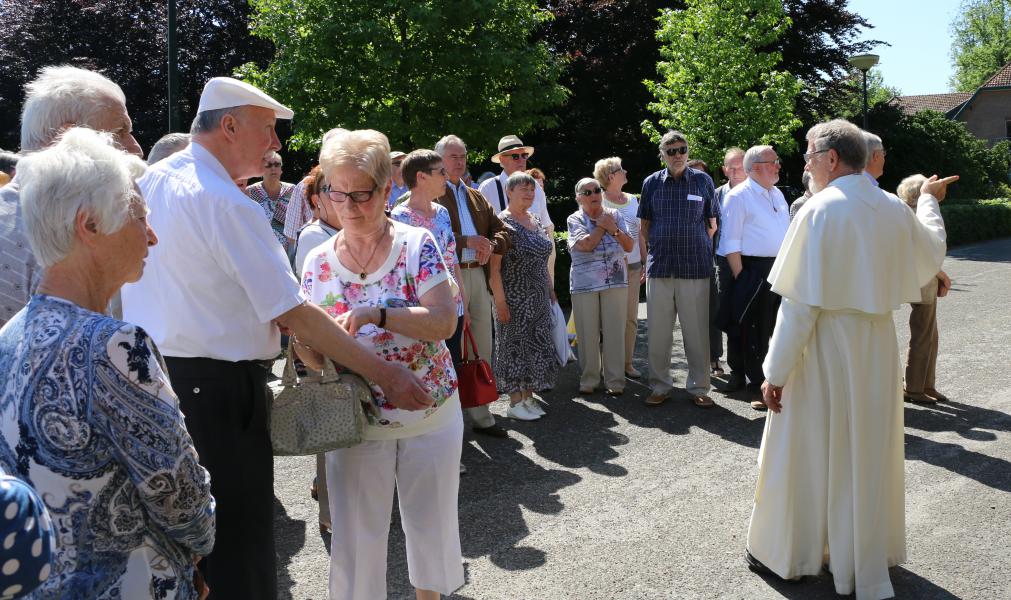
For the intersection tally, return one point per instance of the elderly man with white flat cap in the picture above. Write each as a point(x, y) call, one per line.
point(213, 296)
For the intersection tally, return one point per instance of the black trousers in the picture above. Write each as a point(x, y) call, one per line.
point(759, 322)
point(455, 344)
point(225, 405)
point(735, 345)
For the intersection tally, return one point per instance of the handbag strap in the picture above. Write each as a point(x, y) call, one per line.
point(472, 346)
point(290, 377)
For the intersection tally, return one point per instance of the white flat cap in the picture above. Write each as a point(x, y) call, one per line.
point(225, 92)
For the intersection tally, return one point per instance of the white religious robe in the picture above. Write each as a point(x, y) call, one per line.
point(830, 485)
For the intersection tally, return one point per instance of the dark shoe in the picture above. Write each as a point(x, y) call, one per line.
point(918, 398)
point(759, 405)
point(703, 401)
point(734, 383)
point(631, 372)
point(492, 431)
point(756, 566)
point(327, 537)
point(936, 395)
point(614, 393)
point(715, 367)
point(313, 491)
point(656, 399)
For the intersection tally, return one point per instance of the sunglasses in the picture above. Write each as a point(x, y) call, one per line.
point(272, 165)
point(676, 151)
point(618, 170)
point(590, 192)
point(522, 156)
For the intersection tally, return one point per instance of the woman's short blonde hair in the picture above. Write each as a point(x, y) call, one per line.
point(364, 149)
point(909, 189)
point(604, 168)
point(83, 171)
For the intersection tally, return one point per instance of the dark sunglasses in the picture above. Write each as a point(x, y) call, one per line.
point(676, 151)
point(590, 192)
point(271, 165)
point(524, 156)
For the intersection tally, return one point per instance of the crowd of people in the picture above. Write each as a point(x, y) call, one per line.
point(143, 307)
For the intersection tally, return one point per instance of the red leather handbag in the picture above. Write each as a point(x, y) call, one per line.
point(477, 384)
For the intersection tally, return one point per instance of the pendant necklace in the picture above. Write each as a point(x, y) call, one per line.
point(362, 275)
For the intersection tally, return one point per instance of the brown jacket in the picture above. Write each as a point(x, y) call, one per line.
point(485, 220)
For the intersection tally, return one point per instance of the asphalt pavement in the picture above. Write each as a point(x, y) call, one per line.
point(608, 498)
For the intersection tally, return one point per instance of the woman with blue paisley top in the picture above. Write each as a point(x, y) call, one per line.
point(87, 415)
point(387, 283)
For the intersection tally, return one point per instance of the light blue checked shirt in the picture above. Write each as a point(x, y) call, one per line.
point(466, 220)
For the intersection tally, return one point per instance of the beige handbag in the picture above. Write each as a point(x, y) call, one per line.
point(317, 413)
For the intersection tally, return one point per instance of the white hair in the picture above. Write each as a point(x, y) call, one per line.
point(62, 95)
point(873, 142)
point(83, 171)
point(753, 155)
point(168, 145)
point(449, 140)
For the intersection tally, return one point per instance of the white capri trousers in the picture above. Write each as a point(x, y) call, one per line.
point(425, 470)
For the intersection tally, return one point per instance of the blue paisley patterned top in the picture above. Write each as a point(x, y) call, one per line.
point(88, 418)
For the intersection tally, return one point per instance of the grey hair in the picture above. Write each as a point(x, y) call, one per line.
point(731, 152)
point(520, 178)
point(449, 140)
point(805, 180)
point(8, 162)
point(209, 120)
point(62, 95)
point(670, 137)
point(168, 145)
point(842, 136)
point(83, 171)
point(909, 189)
point(873, 143)
point(364, 149)
point(752, 156)
point(584, 181)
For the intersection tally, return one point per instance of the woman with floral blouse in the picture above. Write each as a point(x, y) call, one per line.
point(387, 283)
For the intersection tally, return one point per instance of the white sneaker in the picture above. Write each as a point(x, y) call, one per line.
point(535, 407)
point(522, 413)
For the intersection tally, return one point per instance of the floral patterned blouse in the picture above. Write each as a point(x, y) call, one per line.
point(274, 210)
point(88, 418)
point(413, 267)
point(441, 229)
point(603, 267)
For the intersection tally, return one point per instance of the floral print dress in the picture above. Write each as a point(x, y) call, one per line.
point(274, 210)
point(413, 267)
point(88, 418)
point(441, 228)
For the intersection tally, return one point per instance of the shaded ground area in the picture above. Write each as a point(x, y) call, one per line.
point(607, 498)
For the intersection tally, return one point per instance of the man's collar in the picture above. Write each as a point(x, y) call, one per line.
point(872, 178)
point(668, 174)
point(757, 186)
point(203, 155)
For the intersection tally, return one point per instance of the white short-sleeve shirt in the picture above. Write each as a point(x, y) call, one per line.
point(755, 220)
point(217, 278)
point(539, 208)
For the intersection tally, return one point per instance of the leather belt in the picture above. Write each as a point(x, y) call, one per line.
point(470, 265)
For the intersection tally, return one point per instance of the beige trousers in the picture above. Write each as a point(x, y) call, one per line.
point(632, 312)
point(668, 299)
point(479, 304)
point(922, 357)
point(596, 313)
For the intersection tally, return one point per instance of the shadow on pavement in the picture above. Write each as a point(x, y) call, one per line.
point(995, 251)
point(906, 583)
point(289, 536)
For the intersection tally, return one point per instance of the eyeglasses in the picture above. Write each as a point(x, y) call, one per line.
point(397, 163)
point(522, 156)
point(618, 170)
point(440, 171)
point(590, 192)
point(676, 151)
point(809, 155)
point(774, 162)
point(272, 165)
point(357, 197)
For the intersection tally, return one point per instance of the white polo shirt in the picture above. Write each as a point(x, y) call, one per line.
point(755, 220)
point(218, 277)
point(539, 208)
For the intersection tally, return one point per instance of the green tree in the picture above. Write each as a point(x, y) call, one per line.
point(413, 70)
point(848, 103)
point(717, 84)
point(981, 42)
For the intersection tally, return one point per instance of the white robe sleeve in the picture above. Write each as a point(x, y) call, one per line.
point(794, 326)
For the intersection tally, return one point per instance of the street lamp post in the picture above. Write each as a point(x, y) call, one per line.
point(173, 78)
point(864, 62)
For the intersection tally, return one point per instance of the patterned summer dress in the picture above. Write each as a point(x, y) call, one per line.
point(275, 210)
point(525, 358)
point(88, 419)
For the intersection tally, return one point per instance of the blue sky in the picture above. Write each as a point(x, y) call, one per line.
point(918, 60)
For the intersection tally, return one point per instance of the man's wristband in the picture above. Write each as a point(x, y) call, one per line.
point(382, 317)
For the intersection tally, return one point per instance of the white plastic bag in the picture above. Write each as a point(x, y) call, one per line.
point(561, 336)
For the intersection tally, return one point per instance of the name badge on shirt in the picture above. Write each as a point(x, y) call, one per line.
point(694, 198)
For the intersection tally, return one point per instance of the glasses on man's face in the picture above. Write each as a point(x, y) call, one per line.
point(590, 191)
point(439, 170)
point(273, 165)
point(809, 155)
point(396, 164)
point(618, 170)
point(358, 197)
point(767, 162)
point(675, 151)
point(522, 156)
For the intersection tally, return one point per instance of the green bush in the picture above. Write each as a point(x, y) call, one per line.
point(974, 221)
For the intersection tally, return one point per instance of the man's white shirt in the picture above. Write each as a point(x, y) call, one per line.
point(218, 277)
point(539, 208)
point(755, 220)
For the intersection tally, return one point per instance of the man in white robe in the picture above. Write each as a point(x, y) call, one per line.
point(830, 485)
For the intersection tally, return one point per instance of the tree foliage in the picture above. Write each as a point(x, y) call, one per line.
point(717, 84)
point(415, 71)
point(127, 42)
point(912, 143)
point(981, 42)
point(850, 103)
